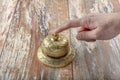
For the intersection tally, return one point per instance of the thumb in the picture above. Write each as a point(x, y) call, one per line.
point(86, 35)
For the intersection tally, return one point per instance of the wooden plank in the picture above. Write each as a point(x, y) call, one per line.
point(30, 24)
point(7, 9)
point(13, 59)
point(99, 60)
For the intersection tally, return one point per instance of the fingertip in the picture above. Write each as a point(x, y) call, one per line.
point(55, 30)
point(50, 32)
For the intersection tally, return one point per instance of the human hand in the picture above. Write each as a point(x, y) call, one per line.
point(94, 26)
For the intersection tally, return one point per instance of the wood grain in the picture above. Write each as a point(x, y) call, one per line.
point(99, 60)
point(25, 23)
point(7, 9)
point(30, 24)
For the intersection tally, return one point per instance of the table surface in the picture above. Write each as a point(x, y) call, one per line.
point(25, 23)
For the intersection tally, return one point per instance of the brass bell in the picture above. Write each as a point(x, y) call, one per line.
point(55, 51)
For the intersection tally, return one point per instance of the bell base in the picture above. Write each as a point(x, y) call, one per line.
point(53, 62)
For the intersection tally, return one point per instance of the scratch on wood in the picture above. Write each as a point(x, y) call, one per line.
point(102, 6)
point(6, 13)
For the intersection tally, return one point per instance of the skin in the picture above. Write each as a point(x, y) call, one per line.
point(94, 26)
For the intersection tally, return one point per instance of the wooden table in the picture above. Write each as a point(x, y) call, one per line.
point(25, 23)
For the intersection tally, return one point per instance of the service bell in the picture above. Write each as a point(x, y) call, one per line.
point(55, 51)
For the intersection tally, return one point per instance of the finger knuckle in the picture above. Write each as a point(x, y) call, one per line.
point(81, 36)
point(89, 21)
point(96, 35)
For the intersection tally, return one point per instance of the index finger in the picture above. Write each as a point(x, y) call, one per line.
point(67, 25)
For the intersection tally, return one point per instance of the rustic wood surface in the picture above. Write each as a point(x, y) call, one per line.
point(25, 23)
